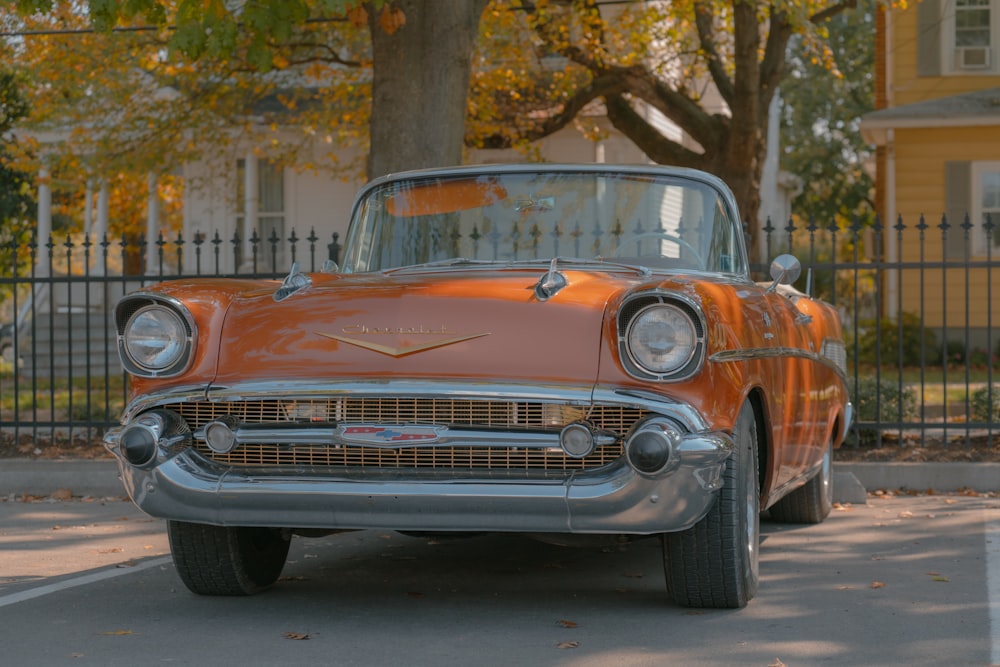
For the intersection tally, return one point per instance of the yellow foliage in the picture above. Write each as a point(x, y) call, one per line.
point(391, 19)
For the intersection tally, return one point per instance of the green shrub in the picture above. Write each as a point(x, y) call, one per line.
point(955, 352)
point(979, 404)
point(885, 338)
point(876, 401)
point(975, 357)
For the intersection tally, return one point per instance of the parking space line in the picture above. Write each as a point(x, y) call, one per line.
point(991, 532)
point(14, 598)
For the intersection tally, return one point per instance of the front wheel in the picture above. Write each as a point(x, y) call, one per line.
point(714, 563)
point(219, 560)
point(812, 502)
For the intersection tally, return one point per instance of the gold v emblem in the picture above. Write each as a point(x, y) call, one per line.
point(399, 351)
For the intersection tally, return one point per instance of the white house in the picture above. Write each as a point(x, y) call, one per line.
point(246, 193)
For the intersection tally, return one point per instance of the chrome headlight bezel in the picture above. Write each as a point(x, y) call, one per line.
point(139, 320)
point(679, 318)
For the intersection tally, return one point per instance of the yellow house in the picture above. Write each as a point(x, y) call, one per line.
point(937, 132)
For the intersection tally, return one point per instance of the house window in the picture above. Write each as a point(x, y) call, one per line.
point(270, 212)
point(985, 206)
point(970, 36)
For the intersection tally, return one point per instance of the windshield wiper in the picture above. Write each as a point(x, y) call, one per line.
point(562, 261)
point(441, 263)
point(579, 261)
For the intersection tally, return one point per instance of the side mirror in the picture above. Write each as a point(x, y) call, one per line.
point(785, 270)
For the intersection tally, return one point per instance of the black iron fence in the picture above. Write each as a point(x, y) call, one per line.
point(917, 303)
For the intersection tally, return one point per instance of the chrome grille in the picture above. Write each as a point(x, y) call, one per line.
point(455, 458)
point(501, 415)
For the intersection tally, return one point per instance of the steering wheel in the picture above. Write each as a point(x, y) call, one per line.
point(663, 236)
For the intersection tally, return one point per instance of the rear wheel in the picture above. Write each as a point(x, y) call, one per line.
point(218, 560)
point(812, 502)
point(714, 563)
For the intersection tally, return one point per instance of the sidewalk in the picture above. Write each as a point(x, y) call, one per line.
point(851, 480)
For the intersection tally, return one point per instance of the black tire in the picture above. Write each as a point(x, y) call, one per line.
point(714, 563)
point(812, 502)
point(217, 560)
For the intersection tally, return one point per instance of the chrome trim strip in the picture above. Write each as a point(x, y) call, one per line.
point(727, 356)
point(583, 396)
point(247, 434)
point(152, 399)
point(688, 416)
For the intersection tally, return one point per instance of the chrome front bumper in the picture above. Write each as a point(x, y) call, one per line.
point(188, 488)
point(182, 485)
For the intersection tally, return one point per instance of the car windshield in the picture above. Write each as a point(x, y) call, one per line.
point(661, 221)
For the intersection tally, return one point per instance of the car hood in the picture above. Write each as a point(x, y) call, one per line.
point(468, 325)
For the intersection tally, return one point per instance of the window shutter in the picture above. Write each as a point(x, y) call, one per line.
point(929, 38)
point(957, 204)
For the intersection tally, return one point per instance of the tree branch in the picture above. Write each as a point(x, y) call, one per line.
point(552, 123)
point(652, 142)
point(705, 25)
point(772, 67)
point(832, 11)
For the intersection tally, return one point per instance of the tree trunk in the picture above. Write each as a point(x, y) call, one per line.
point(745, 184)
point(420, 83)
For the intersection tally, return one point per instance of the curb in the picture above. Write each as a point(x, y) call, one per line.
point(46, 477)
point(942, 477)
point(851, 480)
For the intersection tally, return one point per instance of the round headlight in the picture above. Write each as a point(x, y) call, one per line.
point(155, 338)
point(661, 338)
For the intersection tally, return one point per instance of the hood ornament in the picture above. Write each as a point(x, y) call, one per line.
point(293, 282)
point(550, 283)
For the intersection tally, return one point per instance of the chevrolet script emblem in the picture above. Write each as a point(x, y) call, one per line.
point(402, 350)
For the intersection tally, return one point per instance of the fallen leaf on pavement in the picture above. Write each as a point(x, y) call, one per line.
point(566, 624)
point(878, 584)
point(298, 636)
point(115, 633)
point(567, 644)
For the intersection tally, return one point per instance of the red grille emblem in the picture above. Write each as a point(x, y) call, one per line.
point(388, 435)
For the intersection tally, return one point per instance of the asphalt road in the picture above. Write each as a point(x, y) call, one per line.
point(896, 581)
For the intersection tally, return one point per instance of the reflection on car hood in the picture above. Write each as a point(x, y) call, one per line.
point(469, 325)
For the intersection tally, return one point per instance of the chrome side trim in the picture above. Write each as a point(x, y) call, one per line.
point(728, 356)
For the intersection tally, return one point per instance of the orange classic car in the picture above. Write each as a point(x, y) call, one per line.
point(565, 351)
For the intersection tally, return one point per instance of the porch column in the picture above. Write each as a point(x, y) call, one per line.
point(88, 211)
point(152, 224)
point(44, 222)
point(101, 224)
point(249, 205)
